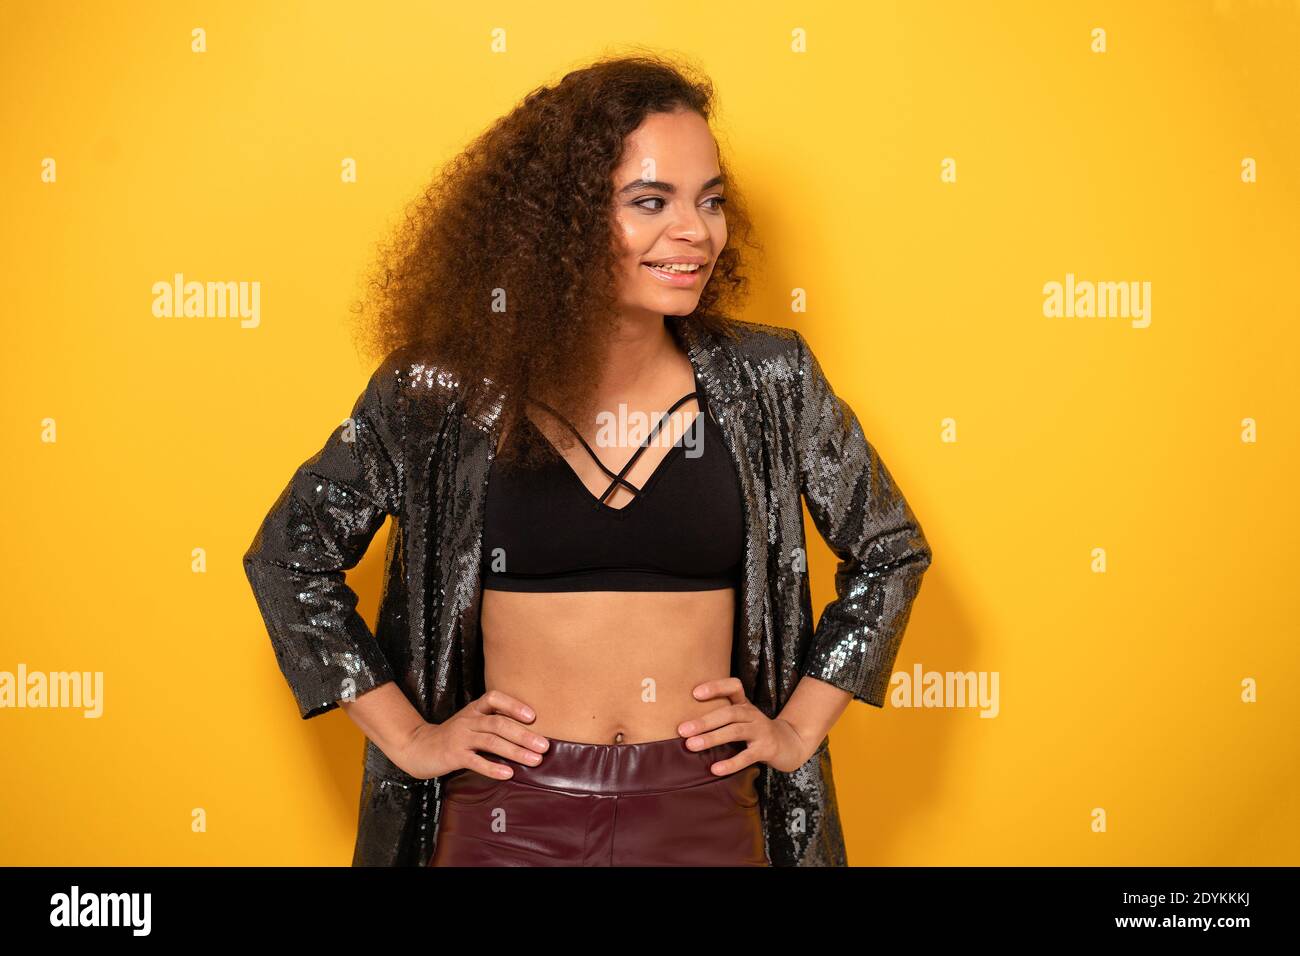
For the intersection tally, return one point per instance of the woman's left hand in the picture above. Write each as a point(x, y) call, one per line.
point(773, 741)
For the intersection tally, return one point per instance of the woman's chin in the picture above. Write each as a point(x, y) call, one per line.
point(676, 304)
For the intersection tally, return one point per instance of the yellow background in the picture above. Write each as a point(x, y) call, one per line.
point(1119, 691)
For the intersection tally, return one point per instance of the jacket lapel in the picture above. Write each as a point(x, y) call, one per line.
point(734, 406)
point(476, 444)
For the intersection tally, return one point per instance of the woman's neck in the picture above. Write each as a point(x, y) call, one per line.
point(639, 353)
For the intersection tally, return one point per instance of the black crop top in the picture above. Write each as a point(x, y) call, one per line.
point(544, 530)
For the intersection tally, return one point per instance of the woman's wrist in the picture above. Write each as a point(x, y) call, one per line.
point(388, 720)
point(418, 736)
point(799, 750)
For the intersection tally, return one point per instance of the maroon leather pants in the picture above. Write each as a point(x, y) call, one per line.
point(644, 804)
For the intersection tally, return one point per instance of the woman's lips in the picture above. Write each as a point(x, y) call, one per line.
point(679, 279)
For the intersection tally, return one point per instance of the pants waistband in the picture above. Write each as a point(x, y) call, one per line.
point(621, 768)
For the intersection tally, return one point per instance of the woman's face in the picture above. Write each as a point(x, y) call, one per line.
point(668, 201)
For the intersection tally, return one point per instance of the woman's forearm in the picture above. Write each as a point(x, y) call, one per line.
point(812, 710)
point(386, 716)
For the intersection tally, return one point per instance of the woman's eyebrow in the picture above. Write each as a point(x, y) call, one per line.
point(663, 187)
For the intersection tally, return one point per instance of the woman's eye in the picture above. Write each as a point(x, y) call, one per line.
point(720, 200)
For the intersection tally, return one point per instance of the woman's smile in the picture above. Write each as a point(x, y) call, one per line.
point(676, 274)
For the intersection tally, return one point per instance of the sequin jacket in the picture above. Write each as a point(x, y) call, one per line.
point(789, 435)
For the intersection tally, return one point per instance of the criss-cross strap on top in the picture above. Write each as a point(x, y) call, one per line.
point(620, 478)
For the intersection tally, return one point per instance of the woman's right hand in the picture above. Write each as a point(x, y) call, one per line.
point(493, 722)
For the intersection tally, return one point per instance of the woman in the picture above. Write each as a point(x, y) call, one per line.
point(597, 473)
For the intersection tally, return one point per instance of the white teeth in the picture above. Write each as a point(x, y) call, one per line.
point(676, 267)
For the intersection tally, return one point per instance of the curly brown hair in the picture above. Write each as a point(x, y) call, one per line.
point(525, 216)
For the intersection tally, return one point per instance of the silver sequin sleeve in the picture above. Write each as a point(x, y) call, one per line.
point(318, 528)
point(868, 525)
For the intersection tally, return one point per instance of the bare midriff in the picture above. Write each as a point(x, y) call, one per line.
point(608, 667)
